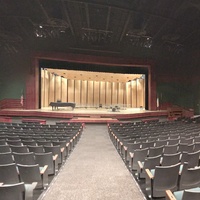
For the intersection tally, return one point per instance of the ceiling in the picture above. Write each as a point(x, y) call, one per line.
point(139, 28)
point(94, 76)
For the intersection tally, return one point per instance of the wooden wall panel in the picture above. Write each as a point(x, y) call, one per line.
point(114, 93)
point(108, 93)
point(102, 93)
point(70, 90)
point(96, 94)
point(42, 88)
point(46, 88)
point(128, 94)
point(140, 93)
point(51, 87)
point(64, 90)
point(134, 94)
point(120, 94)
point(57, 88)
point(90, 94)
point(84, 93)
point(77, 92)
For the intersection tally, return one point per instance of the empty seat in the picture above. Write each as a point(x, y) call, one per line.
point(170, 149)
point(193, 194)
point(189, 177)
point(33, 173)
point(9, 174)
point(19, 149)
point(24, 158)
point(137, 155)
point(170, 159)
point(56, 150)
point(6, 158)
point(163, 178)
point(159, 143)
point(149, 163)
point(14, 142)
point(12, 191)
point(155, 151)
point(47, 159)
point(191, 158)
point(173, 141)
point(36, 149)
point(184, 147)
point(5, 148)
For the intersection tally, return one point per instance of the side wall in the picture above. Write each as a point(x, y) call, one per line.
point(14, 70)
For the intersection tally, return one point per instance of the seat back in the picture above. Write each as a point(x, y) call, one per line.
point(45, 159)
point(29, 173)
point(191, 158)
point(139, 155)
point(151, 162)
point(36, 149)
point(6, 158)
point(55, 150)
point(5, 148)
point(189, 178)
point(9, 174)
point(12, 191)
point(155, 151)
point(24, 158)
point(165, 177)
point(193, 194)
point(170, 159)
point(170, 149)
point(19, 149)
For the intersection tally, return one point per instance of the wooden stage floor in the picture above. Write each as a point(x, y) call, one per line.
point(87, 114)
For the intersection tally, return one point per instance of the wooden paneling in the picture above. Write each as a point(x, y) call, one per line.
point(78, 92)
point(92, 93)
point(64, 89)
point(96, 94)
point(90, 96)
point(70, 90)
point(84, 93)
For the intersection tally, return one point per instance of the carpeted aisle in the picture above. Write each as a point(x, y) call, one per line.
point(94, 171)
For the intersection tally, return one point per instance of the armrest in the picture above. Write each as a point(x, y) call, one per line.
point(67, 144)
point(1, 184)
point(44, 169)
point(62, 149)
point(131, 154)
point(149, 174)
point(140, 164)
point(125, 148)
point(55, 157)
point(169, 195)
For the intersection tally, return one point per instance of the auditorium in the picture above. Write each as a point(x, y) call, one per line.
point(99, 100)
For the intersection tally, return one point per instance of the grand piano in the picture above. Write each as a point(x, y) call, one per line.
point(57, 104)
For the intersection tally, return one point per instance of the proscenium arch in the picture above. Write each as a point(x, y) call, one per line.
point(33, 82)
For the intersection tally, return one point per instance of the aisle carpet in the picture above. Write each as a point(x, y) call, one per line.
point(94, 171)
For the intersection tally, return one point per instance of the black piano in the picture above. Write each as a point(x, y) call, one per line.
point(55, 105)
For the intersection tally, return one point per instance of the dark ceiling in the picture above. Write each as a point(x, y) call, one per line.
point(138, 28)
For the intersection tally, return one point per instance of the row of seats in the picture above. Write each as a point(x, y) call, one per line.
point(172, 166)
point(27, 165)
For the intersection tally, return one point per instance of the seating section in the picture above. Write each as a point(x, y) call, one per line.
point(151, 149)
point(31, 154)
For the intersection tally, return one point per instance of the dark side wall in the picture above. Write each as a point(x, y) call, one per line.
point(175, 82)
point(13, 72)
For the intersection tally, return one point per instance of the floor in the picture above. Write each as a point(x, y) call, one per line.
point(94, 171)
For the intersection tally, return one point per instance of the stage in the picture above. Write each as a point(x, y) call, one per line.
point(93, 115)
